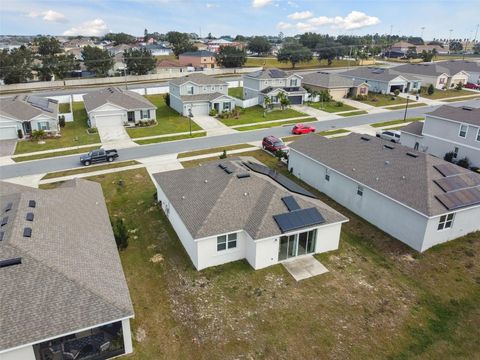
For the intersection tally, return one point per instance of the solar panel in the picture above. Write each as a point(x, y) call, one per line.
point(448, 169)
point(32, 203)
point(8, 207)
point(243, 175)
point(27, 232)
point(29, 217)
point(298, 219)
point(39, 102)
point(4, 221)
point(10, 262)
point(458, 182)
point(277, 73)
point(461, 198)
point(290, 203)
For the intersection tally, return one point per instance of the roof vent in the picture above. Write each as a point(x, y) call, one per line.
point(222, 166)
point(32, 203)
point(29, 217)
point(243, 175)
point(206, 181)
point(364, 138)
point(468, 108)
point(412, 154)
point(403, 177)
point(386, 146)
point(387, 162)
point(353, 169)
point(10, 262)
point(8, 207)
point(4, 221)
point(183, 197)
point(245, 194)
point(2, 234)
point(377, 178)
point(27, 232)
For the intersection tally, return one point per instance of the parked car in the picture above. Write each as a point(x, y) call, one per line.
point(273, 144)
point(98, 156)
point(302, 129)
point(472, 86)
point(390, 135)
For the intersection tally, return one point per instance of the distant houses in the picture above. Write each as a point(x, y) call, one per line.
point(202, 59)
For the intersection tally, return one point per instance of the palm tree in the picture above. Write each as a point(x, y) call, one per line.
point(266, 104)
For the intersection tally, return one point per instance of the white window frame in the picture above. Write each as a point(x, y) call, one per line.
point(145, 114)
point(460, 131)
point(445, 222)
point(190, 90)
point(327, 175)
point(43, 125)
point(293, 82)
point(227, 240)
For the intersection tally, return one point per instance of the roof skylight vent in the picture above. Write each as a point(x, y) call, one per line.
point(32, 203)
point(386, 146)
point(10, 262)
point(29, 216)
point(387, 162)
point(27, 232)
point(206, 181)
point(4, 221)
point(364, 138)
point(412, 154)
point(8, 207)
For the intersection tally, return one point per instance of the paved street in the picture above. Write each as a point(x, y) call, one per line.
point(140, 152)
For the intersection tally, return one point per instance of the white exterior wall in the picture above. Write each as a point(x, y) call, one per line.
point(209, 256)
point(395, 219)
point(53, 124)
point(127, 336)
point(409, 140)
point(460, 77)
point(24, 353)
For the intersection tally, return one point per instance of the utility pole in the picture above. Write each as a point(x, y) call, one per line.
point(449, 40)
point(423, 28)
point(390, 40)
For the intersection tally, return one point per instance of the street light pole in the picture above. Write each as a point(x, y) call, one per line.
point(190, 116)
point(406, 108)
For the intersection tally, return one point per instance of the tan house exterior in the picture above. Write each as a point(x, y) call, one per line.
point(337, 86)
point(198, 59)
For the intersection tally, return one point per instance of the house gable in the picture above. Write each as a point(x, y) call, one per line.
point(108, 107)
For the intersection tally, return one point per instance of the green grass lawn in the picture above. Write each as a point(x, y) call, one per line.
point(394, 122)
point(87, 169)
point(64, 108)
point(273, 62)
point(171, 138)
point(331, 106)
point(55, 154)
point(442, 94)
point(379, 300)
point(275, 124)
point(73, 134)
point(168, 121)
point(354, 113)
point(410, 105)
point(212, 150)
point(462, 98)
point(255, 114)
point(383, 100)
point(236, 92)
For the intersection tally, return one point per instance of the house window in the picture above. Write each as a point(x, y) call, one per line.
point(226, 106)
point(293, 82)
point(44, 125)
point(442, 80)
point(363, 90)
point(226, 242)
point(446, 221)
point(145, 114)
point(478, 134)
point(455, 152)
point(359, 190)
point(213, 88)
point(205, 88)
point(463, 131)
point(190, 90)
point(327, 175)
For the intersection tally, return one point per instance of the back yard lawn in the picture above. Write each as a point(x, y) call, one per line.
point(442, 94)
point(255, 114)
point(236, 92)
point(383, 100)
point(331, 106)
point(273, 62)
point(380, 299)
point(73, 134)
point(168, 121)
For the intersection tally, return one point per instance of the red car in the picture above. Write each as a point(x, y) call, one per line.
point(302, 129)
point(273, 144)
point(472, 86)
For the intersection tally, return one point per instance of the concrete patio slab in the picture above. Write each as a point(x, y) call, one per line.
point(304, 267)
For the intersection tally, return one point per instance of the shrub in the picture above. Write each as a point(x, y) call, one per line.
point(449, 156)
point(396, 92)
point(121, 234)
point(92, 130)
point(213, 112)
point(361, 97)
point(338, 104)
point(20, 134)
point(459, 86)
point(465, 163)
point(38, 134)
point(166, 97)
point(223, 155)
point(61, 121)
point(374, 99)
point(430, 89)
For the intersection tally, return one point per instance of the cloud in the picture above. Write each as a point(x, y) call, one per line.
point(292, 4)
point(284, 26)
point(96, 27)
point(209, 5)
point(261, 3)
point(300, 15)
point(49, 15)
point(354, 20)
point(304, 26)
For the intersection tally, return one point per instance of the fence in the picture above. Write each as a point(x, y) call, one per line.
point(246, 103)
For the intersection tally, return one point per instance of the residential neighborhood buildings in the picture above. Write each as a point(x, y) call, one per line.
point(64, 294)
point(113, 106)
point(432, 74)
point(230, 210)
point(447, 129)
point(270, 83)
point(417, 198)
point(202, 59)
point(472, 68)
point(339, 87)
point(197, 94)
point(22, 114)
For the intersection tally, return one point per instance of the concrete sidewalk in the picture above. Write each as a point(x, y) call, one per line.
point(318, 114)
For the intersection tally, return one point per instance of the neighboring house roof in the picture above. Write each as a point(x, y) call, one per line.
point(329, 81)
point(463, 114)
point(200, 53)
point(27, 107)
point(403, 44)
point(427, 69)
point(414, 128)
point(297, 89)
point(410, 180)
point(128, 100)
point(204, 97)
point(373, 73)
point(210, 201)
point(169, 64)
point(70, 276)
point(268, 74)
point(456, 66)
point(199, 79)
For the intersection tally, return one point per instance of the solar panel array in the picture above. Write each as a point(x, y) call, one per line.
point(274, 73)
point(460, 198)
point(448, 169)
point(290, 203)
point(39, 102)
point(298, 219)
point(458, 182)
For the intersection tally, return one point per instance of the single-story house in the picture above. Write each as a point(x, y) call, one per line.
point(383, 80)
point(338, 87)
point(197, 94)
point(472, 68)
point(202, 59)
point(159, 49)
point(170, 66)
point(229, 210)
point(447, 129)
point(417, 198)
point(23, 114)
point(432, 73)
point(63, 290)
point(113, 106)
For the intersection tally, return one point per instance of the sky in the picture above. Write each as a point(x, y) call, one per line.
point(246, 17)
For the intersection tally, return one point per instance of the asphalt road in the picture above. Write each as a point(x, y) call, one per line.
point(139, 152)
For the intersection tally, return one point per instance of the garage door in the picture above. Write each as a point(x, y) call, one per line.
point(108, 120)
point(200, 109)
point(295, 100)
point(9, 132)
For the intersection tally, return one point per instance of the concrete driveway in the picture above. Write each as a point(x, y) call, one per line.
point(114, 136)
point(212, 126)
point(7, 147)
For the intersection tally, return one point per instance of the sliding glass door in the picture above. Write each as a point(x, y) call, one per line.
point(297, 244)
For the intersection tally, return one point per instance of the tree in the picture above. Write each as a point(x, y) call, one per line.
point(284, 101)
point(459, 86)
point(267, 102)
point(426, 56)
point(231, 57)
point(120, 38)
point(139, 61)
point(415, 40)
point(16, 65)
point(48, 46)
point(294, 53)
point(328, 52)
point(121, 234)
point(311, 40)
point(96, 60)
point(259, 45)
point(180, 42)
point(411, 52)
point(430, 89)
point(456, 46)
point(449, 156)
point(476, 48)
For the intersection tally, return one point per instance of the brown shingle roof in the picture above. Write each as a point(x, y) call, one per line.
point(25, 107)
point(414, 128)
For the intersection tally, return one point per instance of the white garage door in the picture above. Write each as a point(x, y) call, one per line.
point(199, 109)
point(8, 132)
point(108, 120)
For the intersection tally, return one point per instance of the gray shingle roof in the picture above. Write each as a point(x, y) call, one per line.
point(200, 53)
point(204, 97)
point(268, 74)
point(392, 172)
point(414, 128)
point(456, 66)
point(199, 79)
point(220, 204)
point(374, 73)
point(327, 80)
point(24, 107)
point(128, 100)
point(70, 276)
point(464, 114)
point(428, 69)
